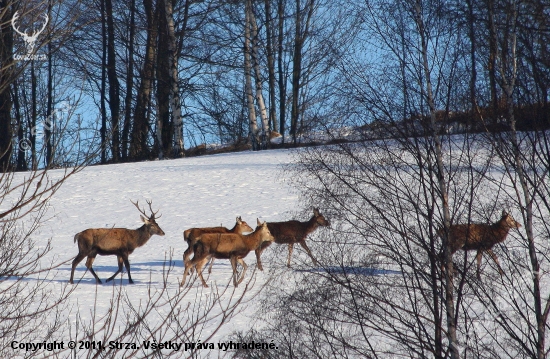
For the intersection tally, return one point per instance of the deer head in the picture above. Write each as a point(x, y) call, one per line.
point(320, 219)
point(509, 220)
point(29, 39)
point(244, 226)
point(149, 220)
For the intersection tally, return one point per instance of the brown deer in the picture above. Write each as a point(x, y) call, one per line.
point(291, 232)
point(115, 241)
point(480, 237)
point(230, 246)
point(190, 235)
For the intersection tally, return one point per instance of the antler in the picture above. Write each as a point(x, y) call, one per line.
point(24, 34)
point(15, 17)
point(153, 214)
point(142, 211)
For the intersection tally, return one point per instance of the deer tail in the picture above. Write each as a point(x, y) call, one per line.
point(186, 235)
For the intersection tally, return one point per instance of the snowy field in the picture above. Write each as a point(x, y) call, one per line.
point(201, 192)
point(190, 192)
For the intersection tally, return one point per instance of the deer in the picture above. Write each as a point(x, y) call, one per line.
point(190, 235)
point(230, 246)
point(480, 237)
point(291, 232)
point(115, 241)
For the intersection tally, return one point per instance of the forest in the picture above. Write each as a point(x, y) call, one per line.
point(134, 80)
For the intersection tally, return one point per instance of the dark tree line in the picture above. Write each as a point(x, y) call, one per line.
point(144, 75)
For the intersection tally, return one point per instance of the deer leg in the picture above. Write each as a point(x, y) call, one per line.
point(187, 253)
point(304, 245)
point(479, 255)
point(186, 270)
point(233, 260)
point(199, 267)
point(119, 260)
point(290, 248)
point(258, 252)
point(211, 265)
point(79, 257)
point(243, 264)
point(127, 265)
point(495, 258)
point(190, 250)
point(89, 263)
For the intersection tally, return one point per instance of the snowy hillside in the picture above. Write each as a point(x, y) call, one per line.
point(189, 192)
point(279, 306)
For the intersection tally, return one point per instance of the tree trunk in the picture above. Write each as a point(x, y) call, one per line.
point(258, 78)
point(34, 117)
point(296, 72)
point(175, 103)
point(299, 40)
point(138, 144)
point(6, 70)
point(443, 191)
point(253, 127)
point(280, 67)
point(103, 90)
point(49, 123)
point(491, 66)
point(508, 70)
point(473, 77)
point(129, 83)
point(114, 87)
point(270, 65)
point(164, 125)
point(21, 140)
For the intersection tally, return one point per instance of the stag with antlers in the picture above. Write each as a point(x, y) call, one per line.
point(115, 241)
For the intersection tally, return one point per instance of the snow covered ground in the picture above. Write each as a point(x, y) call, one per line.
point(190, 192)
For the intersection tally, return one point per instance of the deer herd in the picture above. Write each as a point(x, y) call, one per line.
point(210, 243)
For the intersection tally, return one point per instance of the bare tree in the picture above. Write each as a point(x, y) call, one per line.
point(6, 78)
point(114, 86)
point(140, 128)
point(175, 104)
point(253, 126)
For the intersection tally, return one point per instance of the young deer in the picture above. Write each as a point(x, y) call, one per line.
point(190, 235)
point(114, 241)
point(230, 246)
point(480, 237)
point(291, 232)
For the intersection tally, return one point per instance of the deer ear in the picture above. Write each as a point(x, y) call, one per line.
point(316, 211)
point(504, 214)
point(143, 219)
point(258, 222)
point(239, 220)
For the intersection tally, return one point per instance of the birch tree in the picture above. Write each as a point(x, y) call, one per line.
point(175, 103)
point(253, 126)
point(524, 156)
point(258, 77)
